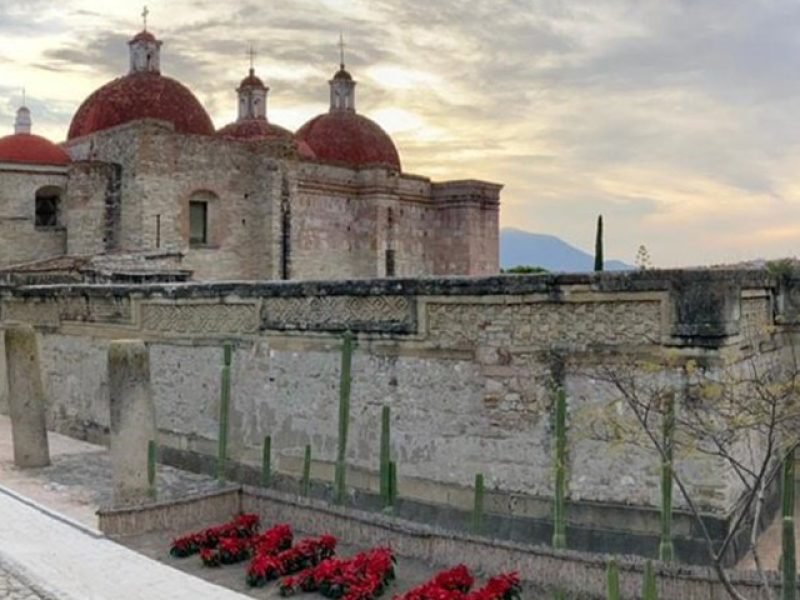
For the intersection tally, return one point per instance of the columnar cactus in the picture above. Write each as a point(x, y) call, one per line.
point(266, 462)
point(224, 409)
point(340, 478)
point(477, 510)
point(788, 564)
point(385, 455)
point(559, 509)
point(666, 548)
point(649, 589)
point(306, 485)
point(151, 468)
point(612, 577)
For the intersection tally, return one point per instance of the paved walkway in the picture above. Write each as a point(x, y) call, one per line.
point(49, 547)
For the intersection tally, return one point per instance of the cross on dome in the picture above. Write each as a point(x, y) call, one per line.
point(341, 51)
point(251, 53)
point(145, 12)
point(343, 88)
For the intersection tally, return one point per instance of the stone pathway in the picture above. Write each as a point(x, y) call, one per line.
point(12, 588)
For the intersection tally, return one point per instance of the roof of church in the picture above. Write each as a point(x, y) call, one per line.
point(141, 95)
point(349, 138)
point(31, 149)
point(252, 81)
point(143, 36)
point(252, 130)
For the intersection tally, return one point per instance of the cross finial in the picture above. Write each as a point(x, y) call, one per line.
point(341, 50)
point(23, 96)
point(252, 54)
point(145, 12)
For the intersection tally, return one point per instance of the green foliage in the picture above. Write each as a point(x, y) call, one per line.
point(340, 483)
point(523, 270)
point(385, 455)
point(559, 508)
point(612, 578)
point(392, 491)
point(649, 589)
point(598, 245)
point(477, 509)
point(782, 268)
point(266, 462)
point(151, 468)
point(224, 410)
point(306, 484)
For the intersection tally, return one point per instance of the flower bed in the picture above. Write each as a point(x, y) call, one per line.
point(363, 577)
point(242, 526)
point(456, 583)
point(237, 549)
point(307, 553)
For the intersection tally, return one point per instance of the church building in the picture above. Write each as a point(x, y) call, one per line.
point(144, 173)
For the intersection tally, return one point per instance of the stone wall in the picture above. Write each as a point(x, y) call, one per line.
point(20, 240)
point(465, 365)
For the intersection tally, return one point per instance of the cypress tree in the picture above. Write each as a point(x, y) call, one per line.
point(598, 245)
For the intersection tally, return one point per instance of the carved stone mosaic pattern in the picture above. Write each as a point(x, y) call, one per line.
point(335, 313)
point(205, 318)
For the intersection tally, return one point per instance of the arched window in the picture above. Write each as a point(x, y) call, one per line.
point(199, 211)
point(48, 207)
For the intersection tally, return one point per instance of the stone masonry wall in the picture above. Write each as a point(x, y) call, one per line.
point(464, 364)
point(20, 240)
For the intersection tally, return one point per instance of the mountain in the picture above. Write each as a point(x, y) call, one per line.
point(519, 247)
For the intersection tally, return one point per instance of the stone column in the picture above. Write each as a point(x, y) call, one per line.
point(133, 419)
point(26, 400)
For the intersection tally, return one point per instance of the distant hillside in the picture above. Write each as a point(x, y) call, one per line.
point(524, 248)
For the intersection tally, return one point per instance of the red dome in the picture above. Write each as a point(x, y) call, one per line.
point(141, 96)
point(251, 130)
point(144, 36)
point(351, 139)
point(252, 81)
point(31, 149)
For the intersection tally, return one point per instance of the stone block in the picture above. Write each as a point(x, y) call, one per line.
point(26, 398)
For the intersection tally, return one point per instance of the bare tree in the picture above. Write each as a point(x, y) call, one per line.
point(745, 417)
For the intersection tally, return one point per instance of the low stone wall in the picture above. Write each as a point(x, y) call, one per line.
point(581, 575)
point(213, 507)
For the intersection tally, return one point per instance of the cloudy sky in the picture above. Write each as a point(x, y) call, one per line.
point(675, 119)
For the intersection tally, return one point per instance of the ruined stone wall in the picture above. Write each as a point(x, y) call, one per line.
point(465, 365)
point(85, 207)
point(20, 240)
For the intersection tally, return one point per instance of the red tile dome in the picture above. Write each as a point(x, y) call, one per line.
point(141, 95)
point(349, 138)
point(252, 130)
point(31, 149)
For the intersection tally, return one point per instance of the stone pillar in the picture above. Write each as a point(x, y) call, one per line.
point(133, 419)
point(26, 401)
point(3, 375)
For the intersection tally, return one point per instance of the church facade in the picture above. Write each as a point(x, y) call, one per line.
point(143, 171)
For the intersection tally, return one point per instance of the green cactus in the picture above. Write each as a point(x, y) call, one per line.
point(151, 468)
point(788, 559)
point(306, 484)
point(340, 477)
point(612, 577)
point(477, 510)
point(598, 245)
point(559, 509)
point(392, 484)
point(224, 409)
point(266, 462)
point(666, 549)
point(649, 588)
point(385, 455)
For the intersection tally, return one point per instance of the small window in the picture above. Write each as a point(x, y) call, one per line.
point(390, 264)
point(47, 205)
point(198, 223)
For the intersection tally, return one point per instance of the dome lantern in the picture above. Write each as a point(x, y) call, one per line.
point(23, 121)
point(145, 50)
point(343, 88)
point(252, 98)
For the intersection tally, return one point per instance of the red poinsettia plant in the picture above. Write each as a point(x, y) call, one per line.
point(363, 577)
point(237, 549)
point(455, 584)
point(242, 526)
point(306, 553)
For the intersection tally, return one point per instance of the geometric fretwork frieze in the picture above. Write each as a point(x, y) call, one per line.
point(200, 318)
point(390, 314)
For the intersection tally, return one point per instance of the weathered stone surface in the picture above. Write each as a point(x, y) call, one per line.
point(26, 398)
point(132, 419)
